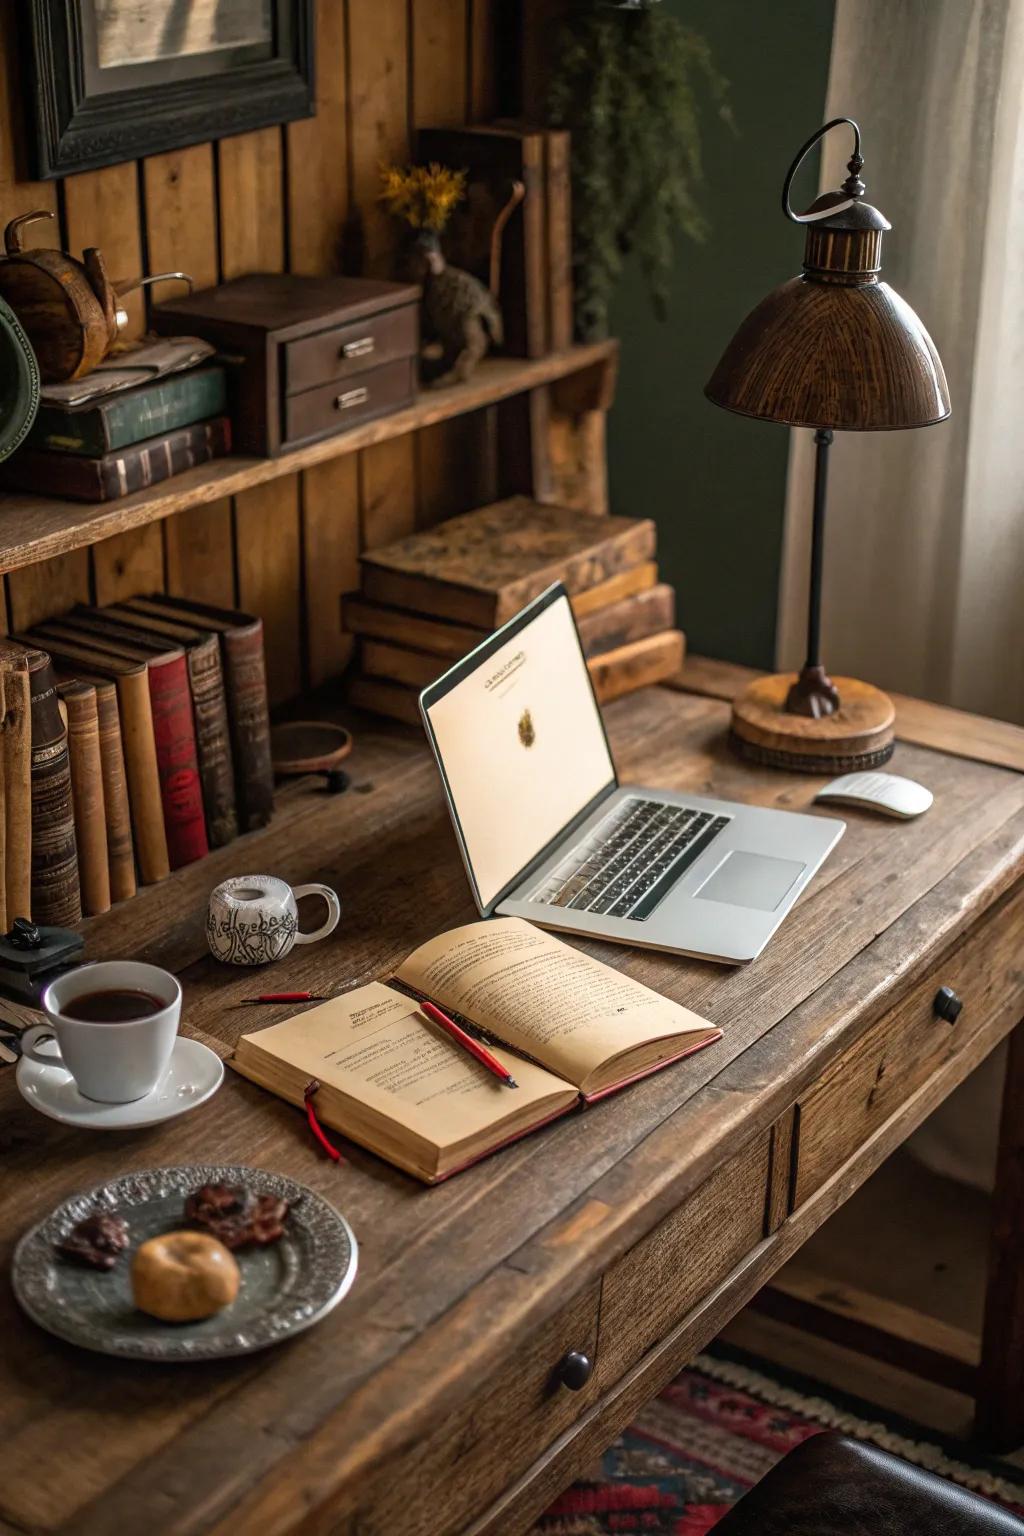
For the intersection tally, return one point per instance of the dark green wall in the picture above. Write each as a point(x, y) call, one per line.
point(715, 482)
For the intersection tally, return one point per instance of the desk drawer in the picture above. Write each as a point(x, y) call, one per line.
point(343, 403)
point(663, 1277)
point(347, 350)
point(475, 1453)
point(900, 1052)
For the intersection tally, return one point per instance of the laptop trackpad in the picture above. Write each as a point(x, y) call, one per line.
point(750, 880)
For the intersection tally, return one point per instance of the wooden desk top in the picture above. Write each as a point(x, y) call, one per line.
point(451, 1278)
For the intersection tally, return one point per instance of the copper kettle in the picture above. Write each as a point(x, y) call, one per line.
point(70, 309)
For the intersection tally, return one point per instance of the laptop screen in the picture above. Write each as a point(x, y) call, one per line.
point(520, 741)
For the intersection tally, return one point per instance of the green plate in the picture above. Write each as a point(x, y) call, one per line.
point(286, 1287)
point(19, 382)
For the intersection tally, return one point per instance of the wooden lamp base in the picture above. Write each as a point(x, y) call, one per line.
point(859, 735)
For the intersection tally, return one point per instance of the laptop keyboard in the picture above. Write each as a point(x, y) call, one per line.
point(626, 866)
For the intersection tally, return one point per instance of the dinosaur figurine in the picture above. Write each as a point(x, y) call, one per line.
point(460, 315)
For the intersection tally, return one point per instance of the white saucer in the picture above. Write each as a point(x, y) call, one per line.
point(195, 1072)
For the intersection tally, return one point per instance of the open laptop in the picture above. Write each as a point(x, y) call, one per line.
point(548, 833)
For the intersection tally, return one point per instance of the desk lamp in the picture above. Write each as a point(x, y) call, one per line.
point(833, 349)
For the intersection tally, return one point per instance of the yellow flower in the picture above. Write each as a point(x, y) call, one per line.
point(422, 195)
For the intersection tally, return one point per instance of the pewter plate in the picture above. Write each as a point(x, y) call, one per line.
point(285, 1289)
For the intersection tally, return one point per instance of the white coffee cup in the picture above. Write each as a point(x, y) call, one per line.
point(112, 1062)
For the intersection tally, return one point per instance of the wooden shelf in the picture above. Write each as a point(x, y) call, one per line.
point(34, 528)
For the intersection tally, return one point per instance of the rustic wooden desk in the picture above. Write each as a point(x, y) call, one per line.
point(430, 1402)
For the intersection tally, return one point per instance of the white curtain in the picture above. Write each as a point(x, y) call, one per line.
point(924, 577)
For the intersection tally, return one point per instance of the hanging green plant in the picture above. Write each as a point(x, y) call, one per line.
point(625, 81)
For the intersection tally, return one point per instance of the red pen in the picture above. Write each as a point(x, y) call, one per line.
point(467, 1042)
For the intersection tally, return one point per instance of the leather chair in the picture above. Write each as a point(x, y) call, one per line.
point(833, 1486)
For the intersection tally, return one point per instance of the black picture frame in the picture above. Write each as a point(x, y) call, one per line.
point(76, 128)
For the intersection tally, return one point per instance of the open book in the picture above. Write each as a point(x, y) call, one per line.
point(568, 1028)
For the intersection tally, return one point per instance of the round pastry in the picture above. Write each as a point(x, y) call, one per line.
point(181, 1277)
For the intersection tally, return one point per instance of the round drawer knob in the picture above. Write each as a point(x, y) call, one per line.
point(947, 1005)
point(575, 1370)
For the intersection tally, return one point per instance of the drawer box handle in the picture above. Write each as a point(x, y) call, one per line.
point(350, 398)
point(947, 1005)
point(575, 1370)
point(361, 348)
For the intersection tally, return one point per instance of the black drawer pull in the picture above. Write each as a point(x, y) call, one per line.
point(947, 1005)
point(575, 1370)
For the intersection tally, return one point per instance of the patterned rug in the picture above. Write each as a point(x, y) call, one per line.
point(718, 1428)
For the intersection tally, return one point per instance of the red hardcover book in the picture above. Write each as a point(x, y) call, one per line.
point(174, 733)
point(245, 680)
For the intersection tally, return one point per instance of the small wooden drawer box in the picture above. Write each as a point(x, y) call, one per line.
point(308, 356)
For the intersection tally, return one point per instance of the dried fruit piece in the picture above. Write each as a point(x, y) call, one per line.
point(266, 1222)
point(97, 1241)
point(216, 1202)
point(237, 1217)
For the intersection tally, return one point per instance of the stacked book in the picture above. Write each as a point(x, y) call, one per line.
point(137, 419)
point(428, 599)
point(147, 743)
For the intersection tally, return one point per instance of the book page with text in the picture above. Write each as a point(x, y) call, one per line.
point(374, 1046)
point(552, 1001)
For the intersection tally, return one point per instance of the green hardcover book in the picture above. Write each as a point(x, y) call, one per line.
point(129, 416)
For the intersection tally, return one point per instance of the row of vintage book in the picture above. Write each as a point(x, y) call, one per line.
point(137, 738)
point(143, 415)
point(428, 599)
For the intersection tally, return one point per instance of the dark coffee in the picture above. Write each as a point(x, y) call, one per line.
point(114, 1005)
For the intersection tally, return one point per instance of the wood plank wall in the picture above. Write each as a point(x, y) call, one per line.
point(300, 198)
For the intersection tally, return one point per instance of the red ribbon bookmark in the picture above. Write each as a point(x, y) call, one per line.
point(309, 1093)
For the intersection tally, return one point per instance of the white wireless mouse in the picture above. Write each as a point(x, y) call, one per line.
point(884, 792)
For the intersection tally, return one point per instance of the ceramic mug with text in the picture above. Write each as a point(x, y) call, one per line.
point(254, 919)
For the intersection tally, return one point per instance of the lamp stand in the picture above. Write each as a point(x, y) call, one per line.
point(814, 692)
point(807, 721)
